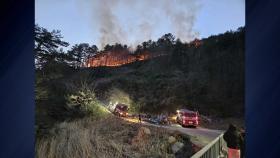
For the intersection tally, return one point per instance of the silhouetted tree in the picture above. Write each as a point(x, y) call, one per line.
point(179, 54)
point(81, 52)
point(46, 45)
point(93, 50)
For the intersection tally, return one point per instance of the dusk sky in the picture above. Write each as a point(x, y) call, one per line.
point(133, 21)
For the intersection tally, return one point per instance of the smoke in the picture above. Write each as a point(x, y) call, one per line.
point(183, 19)
point(130, 22)
point(108, 26)
point(146, 29)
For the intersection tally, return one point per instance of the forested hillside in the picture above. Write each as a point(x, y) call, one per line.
point(207, 76)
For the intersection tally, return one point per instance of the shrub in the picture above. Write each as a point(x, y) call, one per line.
point(84, 103)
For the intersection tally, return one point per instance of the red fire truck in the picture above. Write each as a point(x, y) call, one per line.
point(121, 110)
point(187, 118)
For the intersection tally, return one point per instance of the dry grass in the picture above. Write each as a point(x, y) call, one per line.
point(107, 138)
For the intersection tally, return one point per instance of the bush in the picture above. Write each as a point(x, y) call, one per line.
point(85, 103)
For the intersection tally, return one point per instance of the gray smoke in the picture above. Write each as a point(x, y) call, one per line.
point(109, 28)
point(183, 19)
point(150, 15)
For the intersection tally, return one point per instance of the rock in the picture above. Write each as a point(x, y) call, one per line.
point(171, 139)
point(145, 130)
point(176, 147)
point(142, 135)
point(185, 151)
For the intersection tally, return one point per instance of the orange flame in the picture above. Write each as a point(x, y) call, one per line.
point(113, 59)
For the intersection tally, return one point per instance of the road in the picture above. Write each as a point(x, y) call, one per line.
point(199, 136)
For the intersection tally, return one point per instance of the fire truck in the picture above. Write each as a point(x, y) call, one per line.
point(187, 118)
point(121, 110)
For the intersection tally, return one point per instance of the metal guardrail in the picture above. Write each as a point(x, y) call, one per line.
point(214, 149)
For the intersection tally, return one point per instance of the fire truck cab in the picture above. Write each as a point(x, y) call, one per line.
point(121, 110)
point(187, 118)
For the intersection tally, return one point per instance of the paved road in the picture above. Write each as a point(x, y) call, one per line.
point(199, 136)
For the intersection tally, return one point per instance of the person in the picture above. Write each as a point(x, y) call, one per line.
point(242, 149)
point(234, 140)
point(139, 117)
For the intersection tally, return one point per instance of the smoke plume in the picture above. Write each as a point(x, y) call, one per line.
point(129, 22)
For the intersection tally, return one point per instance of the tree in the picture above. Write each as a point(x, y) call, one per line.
point(91, 51)
point(179, 53)
point(46, 45)
point(168, 38)
point(82, 52)
point(139, 49)
point(108, 47)
point(166, 42)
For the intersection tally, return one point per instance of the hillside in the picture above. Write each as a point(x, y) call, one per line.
point(208, 77)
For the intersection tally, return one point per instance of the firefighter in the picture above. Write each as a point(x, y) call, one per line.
point(242, 149)
point(139, 118)
point(234, 141)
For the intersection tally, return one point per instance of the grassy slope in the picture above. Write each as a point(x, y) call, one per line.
point(110, 137)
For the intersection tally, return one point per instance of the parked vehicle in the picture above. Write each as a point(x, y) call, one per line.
point(121, 110)
point(159, 120)
point(187, 118)
point(153, 120)
point(164, 120)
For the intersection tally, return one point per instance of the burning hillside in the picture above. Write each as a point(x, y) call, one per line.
point(117, 55)
point(118, 58)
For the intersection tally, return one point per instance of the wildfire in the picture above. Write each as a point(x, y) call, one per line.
point(196, 42)
point(114, 59)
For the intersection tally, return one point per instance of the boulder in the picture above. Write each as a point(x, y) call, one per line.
point(145, 130)
point(176, 147)
point(142, 135)
point(171, 140)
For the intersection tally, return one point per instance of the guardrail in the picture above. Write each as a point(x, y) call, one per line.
point(214, 149)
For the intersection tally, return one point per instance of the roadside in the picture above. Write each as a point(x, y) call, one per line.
point(112, 137)
point(199, 136)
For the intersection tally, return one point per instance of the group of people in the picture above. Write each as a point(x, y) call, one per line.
point(235, 139)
